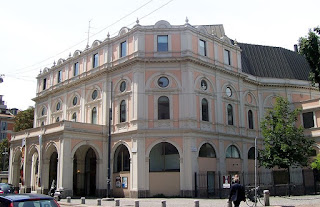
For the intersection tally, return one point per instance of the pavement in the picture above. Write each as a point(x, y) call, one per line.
point(293, 201)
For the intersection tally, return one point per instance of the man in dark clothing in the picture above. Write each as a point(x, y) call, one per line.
point(237, 192)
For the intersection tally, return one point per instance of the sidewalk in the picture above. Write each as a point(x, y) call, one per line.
point(293, 201)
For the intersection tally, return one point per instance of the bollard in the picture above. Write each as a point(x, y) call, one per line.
point(266, 194)
point(117, 202)
point(136, 203)
point(196, 203)
point(163, 203)
point(98, 202)
point(68, 199)
point(229, 203)
point(83, 200)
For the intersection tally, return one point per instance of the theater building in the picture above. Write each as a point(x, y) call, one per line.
point(185, 100)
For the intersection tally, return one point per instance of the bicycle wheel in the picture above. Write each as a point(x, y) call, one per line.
point(261, 200)
point(249, 201)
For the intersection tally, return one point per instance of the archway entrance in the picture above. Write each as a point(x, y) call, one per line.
point(16, 169)
point(121, 172)
point(53, 167)
point(84, 171)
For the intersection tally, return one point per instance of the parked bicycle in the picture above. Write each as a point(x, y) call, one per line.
point(251, 199)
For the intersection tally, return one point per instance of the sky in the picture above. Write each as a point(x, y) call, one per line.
point(35, 33)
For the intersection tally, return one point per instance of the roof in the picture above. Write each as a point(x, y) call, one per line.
point(273, 62)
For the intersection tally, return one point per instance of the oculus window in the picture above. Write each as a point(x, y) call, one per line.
point(162, 44)
point(163, 82)
point(204, 85)
point(75, 100)
point(94, 94)
point(164, 157)
point(123, 86)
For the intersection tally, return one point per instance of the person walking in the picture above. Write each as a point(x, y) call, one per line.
point(237, 192)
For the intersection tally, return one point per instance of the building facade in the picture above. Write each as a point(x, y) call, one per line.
point(185, 99)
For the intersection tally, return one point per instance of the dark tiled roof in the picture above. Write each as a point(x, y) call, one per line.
point(273, 62)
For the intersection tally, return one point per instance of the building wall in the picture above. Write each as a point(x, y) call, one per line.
point(142, 67)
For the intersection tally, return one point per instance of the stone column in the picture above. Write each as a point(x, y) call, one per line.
point(65, 167)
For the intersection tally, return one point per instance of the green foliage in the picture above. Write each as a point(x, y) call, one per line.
point(310, 48)
point(284, 143)
point(24, 120)
point(4, 155)
point(316, 163)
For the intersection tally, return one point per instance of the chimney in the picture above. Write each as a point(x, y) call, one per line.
point(295, 48)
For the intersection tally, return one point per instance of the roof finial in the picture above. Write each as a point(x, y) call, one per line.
point(235, 42)
point(69, 54)
point(187, 20)
point(54, 63)
point(108, 36)
point(137, 21)
point(40, 71)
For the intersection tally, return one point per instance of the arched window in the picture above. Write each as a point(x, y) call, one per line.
point(232, 152)
point(74, 116)
point(205, 110)
point(57, 119)
point(94, 115)
point(164, 157)
point(207, 150)
point(122, 159)
point(43, 111)
point(123, 116)
point(251, 153)
point(163, 108)
point(250, 119)
point(230, 114)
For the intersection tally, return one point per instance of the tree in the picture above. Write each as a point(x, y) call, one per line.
point(284, 143)
point(316, 163)
point(24, 120)
point(310, 48)
point(4, 155)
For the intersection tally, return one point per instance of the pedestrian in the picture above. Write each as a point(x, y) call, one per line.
point(237, 192)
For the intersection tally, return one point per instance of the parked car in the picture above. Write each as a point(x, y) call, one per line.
point(6, 188)
point(27, 200)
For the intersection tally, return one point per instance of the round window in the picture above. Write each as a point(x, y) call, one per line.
point(228, 92)
point(204, 85)
point(163, 82)
point(123, 86)
point(75, 100)
point(94, 94)
point(58, 106)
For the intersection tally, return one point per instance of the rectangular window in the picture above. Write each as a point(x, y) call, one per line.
point(227, 59)
point(44, 84)
point(123, 51)
point(59, 76)
point(3, 135)
point(76, 69)
point(308, 121)
point(95, 60)
point(162, 44)
point(202, 48)
point(4, 126)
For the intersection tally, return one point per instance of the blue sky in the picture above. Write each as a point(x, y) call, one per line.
point(35, 33)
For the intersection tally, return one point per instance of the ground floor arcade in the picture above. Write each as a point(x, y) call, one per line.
point(74, 156)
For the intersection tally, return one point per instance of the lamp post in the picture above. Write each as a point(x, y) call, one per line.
point(109, 147)
point(255, 171)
